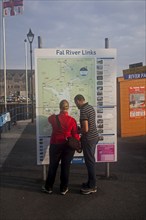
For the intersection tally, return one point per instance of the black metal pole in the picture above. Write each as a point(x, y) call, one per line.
point(32, 107)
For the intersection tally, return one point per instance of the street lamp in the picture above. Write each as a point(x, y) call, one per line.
point(30, 37)
point(26, 77)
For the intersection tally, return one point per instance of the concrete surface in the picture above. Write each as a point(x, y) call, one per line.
point(9, 138)
point(121, 197)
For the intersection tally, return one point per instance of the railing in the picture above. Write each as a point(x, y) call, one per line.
point(14, 112)
point(18, 111)
point(5, 121)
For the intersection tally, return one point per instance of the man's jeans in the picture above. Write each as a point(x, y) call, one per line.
point(89, 152)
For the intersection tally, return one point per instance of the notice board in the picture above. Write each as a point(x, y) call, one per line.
point(64, 73)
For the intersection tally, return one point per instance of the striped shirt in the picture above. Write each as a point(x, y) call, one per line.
point(87, 112)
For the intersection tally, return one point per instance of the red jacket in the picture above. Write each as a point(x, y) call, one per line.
point(68, 128)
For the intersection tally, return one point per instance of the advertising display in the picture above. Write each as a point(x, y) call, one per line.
point(64, 73)
point(137, 102)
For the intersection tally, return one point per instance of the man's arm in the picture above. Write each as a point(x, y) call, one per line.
point(84, 126)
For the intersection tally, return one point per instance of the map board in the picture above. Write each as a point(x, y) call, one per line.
point(64, 73)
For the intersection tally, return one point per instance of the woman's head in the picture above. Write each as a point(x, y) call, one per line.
point(64, 105)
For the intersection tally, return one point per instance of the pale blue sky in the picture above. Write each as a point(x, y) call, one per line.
point(79, 24)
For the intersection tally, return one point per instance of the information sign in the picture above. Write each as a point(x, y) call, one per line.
point(64, 73)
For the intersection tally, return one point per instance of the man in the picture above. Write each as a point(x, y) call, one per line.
point(89, 139)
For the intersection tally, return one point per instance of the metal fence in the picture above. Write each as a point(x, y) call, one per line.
point(18, 111)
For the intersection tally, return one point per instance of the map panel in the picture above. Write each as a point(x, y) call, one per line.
point(59, 79)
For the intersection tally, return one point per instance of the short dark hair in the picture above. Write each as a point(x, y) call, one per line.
point(79, 97)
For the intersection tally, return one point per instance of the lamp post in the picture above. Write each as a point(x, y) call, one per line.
point(26, 77)
point(30, 37)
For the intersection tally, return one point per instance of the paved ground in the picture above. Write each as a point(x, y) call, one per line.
point(122, 197)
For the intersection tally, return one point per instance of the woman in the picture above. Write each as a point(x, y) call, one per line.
point(63, 126)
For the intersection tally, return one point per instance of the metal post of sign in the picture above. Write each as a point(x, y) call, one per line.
point(107, 170)
point(39, 42)
point(44, 172)
point(107, 164)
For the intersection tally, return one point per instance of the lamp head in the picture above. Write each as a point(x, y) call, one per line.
point(30, 36)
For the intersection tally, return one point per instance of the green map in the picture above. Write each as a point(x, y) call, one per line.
point(63, 78)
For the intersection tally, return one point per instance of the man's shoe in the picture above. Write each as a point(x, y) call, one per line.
point(87, 191)
point(85, 185)
point(45, 190)
point(64, 191)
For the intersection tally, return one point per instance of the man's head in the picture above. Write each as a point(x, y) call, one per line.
point(79, 100)
point(64, 105)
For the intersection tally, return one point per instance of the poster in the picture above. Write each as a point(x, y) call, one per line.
point(106, 152)
point(137, 102)
point(64, 73)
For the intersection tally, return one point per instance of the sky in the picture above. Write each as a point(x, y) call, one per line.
point(78, 24)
